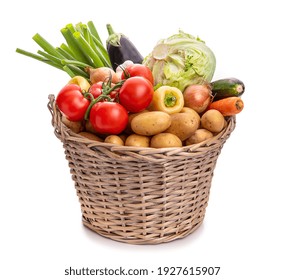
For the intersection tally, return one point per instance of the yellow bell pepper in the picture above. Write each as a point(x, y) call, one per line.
point(167, 99)
point(81, 81)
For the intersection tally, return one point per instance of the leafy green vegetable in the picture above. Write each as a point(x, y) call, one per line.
point(181, 60)
point(83, 48)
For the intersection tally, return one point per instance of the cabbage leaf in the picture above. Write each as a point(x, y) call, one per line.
point(181, 60)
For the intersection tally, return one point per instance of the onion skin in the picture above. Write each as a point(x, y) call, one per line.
point(197, 97)
point(102, 74)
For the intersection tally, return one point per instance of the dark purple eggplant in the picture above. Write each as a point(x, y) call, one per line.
point(120, 49)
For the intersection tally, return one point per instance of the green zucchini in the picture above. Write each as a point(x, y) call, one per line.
point(227, 88)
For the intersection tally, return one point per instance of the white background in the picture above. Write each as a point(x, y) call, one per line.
point(243, 231)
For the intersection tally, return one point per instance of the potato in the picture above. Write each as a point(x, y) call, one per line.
point(165, 140)
point(150, 123)
point(89, 127)
point(186, 110)
point(137, 140)
point(114, 139)
point(184, 124)
point(128, 129)
point(90, 136)
point(193, 113)
point(199, 135)
point(213, 121)
point(74, 126)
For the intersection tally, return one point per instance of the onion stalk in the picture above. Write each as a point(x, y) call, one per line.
point(82, 49)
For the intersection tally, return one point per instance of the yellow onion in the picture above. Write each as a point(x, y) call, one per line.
point(197, 97)
point(102, 74)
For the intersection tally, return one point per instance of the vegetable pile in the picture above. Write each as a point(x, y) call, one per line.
point(115, 95)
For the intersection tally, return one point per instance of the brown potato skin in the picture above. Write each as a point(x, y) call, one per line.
point(76, 127)
point(165, 140)
point(136, 140)
point(90, 136)
point(150, 123)
point(128, 129)
point(184, 124)
point(213, 121)
point(199, 136)
point(89, 127)
point(114, 139)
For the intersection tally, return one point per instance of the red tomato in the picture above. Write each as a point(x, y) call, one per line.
point(72, 103)
point(136, 94)
point(140, 70)
point(108, 117)
point(96, 90)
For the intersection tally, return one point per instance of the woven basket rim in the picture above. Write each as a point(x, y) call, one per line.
point(72, 136)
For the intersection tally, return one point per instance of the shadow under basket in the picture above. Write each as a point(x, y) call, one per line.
point(140, 195)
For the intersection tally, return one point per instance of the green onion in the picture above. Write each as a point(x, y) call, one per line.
point(39, 58)
point(64, 53)
point(96, 45)
point(65, 48)
point(70, 27)
point(102, 50)
point(74, 47)
point(55, 60)
point(46, 45)
point(93, 30)
point(83, 48)
point(68, 71)
point(79, 71)
point(74, 62)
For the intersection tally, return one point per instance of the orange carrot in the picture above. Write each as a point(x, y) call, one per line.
point(228, 106)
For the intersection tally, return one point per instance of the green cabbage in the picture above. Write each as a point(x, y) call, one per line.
point(181, 60)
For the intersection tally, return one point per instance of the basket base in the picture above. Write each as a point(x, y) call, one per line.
point(144, 240)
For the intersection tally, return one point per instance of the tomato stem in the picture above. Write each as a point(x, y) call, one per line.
point(88, 95)
point(94, 101)
point(106, 90)
point(117, 85)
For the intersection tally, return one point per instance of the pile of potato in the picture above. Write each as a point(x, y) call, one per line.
point(158, 129)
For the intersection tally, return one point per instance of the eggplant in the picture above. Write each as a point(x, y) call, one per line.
point(120, 49)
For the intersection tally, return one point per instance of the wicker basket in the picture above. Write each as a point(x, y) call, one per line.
point(140, 195)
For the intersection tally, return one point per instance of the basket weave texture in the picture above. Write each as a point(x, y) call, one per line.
point(140, 195)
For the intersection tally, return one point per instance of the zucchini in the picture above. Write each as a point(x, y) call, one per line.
point(227, 88)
